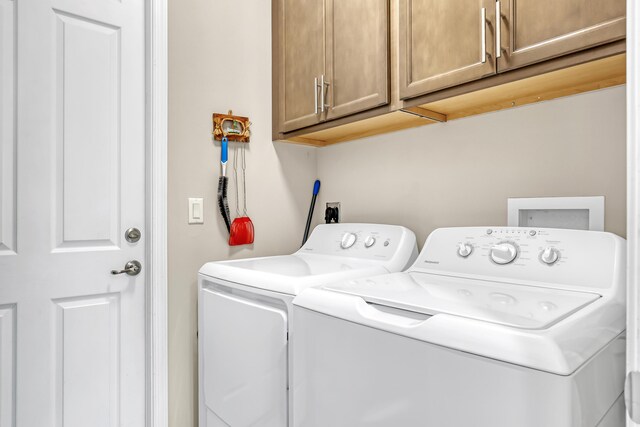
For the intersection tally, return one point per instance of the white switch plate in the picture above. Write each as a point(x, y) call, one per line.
point(196, 210)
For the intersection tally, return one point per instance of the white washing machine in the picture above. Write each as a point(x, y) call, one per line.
point(244, 322)
point(491, 327)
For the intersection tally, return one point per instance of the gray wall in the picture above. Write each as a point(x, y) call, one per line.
point(207, 76)
point(462, 172)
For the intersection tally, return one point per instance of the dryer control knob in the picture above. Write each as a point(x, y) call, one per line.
point(503, 253)
point(464, 249)
point(549, 256)
point(348, 240)
point(369, 241)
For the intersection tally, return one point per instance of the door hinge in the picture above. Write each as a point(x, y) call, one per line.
point(632, 395)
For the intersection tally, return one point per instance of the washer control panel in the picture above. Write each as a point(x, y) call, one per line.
point(366, 241)
point(576, 258)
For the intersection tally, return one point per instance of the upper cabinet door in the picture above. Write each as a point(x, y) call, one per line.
point(357, 56)
point(536, 30)
point(301, 61)
point(444, 43)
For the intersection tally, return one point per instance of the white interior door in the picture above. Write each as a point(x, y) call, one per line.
point(72, 180)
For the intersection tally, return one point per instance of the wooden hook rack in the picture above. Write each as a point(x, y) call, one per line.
point(235, 128)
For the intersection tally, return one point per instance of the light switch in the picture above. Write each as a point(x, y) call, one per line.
point(196, 210)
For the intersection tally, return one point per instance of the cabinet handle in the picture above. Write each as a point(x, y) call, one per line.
point(483, 35)
point(315, 95)
point(323, 83)
point(498, 30)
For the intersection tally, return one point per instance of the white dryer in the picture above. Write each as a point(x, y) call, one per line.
point(244, 323)
point(491, 327)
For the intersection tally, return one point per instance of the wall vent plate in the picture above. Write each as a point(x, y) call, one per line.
point(580, 213)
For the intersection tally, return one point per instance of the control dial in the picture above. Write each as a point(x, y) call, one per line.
point(549, 256)
point(464, 249)
point(369, 241)
point(348, 240)
point(503, 253)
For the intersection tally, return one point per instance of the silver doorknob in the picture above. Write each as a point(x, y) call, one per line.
point(132, 268)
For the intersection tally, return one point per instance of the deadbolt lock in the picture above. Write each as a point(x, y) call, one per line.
point(132, 235)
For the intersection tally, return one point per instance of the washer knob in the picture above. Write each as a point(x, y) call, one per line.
point(503, 253)
point(348, 240)
point(369, 241)
point(464, 249)
point(549, 256)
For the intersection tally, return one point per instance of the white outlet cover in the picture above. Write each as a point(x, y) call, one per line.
point(196, 210)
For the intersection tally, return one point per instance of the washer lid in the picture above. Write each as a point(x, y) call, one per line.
point(290, 274)
point(515, 305)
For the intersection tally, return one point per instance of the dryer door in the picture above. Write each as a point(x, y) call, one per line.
point(243, 360)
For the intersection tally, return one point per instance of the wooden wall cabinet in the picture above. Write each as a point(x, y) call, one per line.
point(347, 69)
point(538, 30)
point(448, 43)
point(301, 62)
point(444, 43)
point(332, 59)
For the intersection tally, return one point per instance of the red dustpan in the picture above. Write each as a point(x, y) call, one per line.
point(241, 232)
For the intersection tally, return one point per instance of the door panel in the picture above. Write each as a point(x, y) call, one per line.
point(87, 164)
point(357, 55)
point(87, 337)
point(536, 30)
point(301, 60)
point(7, 127)
point(441, 44)
point(75, 181)
point(244, 365)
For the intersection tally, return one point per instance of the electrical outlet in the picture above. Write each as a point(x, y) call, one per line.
point(332, 212)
